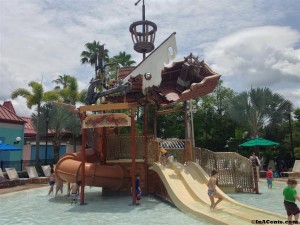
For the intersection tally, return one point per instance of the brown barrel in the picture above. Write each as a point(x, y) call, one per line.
point(124, 71)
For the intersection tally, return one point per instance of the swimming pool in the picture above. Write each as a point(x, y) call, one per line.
point(269, 199)
point(36, 207)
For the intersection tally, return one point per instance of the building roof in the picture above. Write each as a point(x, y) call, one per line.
point(9, 105)
point(9, 116)
point(29, 130)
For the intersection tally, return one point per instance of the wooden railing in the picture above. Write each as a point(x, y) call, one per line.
point(234, 170)
point(119, 147)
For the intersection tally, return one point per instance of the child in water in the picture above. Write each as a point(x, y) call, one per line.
point(138, 190)
point(290, 196)
point(212, 192)
point(59, 187)
point(270, 178)
point(51, 181)
point(75, 192)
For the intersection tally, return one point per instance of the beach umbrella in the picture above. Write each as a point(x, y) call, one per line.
point(258, 142)
point(7, 147)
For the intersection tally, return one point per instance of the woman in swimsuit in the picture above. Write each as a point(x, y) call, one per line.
point(212, 192)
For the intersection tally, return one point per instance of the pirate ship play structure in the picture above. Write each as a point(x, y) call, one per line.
point(112, 160)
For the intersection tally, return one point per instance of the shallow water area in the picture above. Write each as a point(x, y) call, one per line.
point(268, 199)
point(36, 207)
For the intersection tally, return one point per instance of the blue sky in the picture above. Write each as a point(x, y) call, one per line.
point(251, 43)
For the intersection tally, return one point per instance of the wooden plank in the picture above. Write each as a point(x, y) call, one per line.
point(168, 111)
point(102, 107)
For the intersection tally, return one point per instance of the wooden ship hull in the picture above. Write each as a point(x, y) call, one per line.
point(183, 81)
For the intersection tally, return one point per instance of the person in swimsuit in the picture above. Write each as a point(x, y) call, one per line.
point(59, 187)
point(212, 192)
point(138, 190)
point(75, 192)
point(290, 196)
point(51, 182)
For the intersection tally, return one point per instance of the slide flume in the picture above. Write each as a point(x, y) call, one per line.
point(69, 169)
point(187, 188)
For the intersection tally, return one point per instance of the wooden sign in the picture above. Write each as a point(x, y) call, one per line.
point(106, 120)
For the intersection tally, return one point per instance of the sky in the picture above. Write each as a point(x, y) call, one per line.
point(251, 43)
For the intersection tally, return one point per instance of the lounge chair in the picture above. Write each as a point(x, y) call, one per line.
point(2, 177)
point(5, 183)
point(33, 174)
point(13, 175)
point(47, 170)
point(295, 171)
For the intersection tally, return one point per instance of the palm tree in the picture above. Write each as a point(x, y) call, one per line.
point(70, 92)
point(91, 53)
point(258, 108)
point(123, 59)
point(62, 80)
point(36, 97)
point(61, 121)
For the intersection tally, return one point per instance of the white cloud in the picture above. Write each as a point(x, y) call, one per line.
point(258, 56)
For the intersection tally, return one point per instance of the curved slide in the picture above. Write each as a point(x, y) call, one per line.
point(186, 186)
point(69, 169)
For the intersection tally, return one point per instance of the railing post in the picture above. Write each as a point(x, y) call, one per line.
point(1, 164)
point(188, 155)
point(157, 151)
point(21, 165)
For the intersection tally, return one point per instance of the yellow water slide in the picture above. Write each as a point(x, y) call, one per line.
point(69, 169)
point(186, 186)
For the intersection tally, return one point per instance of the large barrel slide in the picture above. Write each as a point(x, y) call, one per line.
point(69, 169)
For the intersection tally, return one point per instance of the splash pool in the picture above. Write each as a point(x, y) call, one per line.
point(269, 199)
point(36, 207)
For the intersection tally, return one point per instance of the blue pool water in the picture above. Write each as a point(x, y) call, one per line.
point(268, 199)
point(36, 207)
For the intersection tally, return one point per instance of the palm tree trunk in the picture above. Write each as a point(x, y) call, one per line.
point(37, 138)
point(56, 152)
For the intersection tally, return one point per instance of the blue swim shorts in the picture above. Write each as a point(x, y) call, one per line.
point(210, 192)
point(269, 181)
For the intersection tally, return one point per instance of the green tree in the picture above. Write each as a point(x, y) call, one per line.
point(70, 93)
point(117, 61)
point(123, 59)
point(90, 55)
point(62, 80)
point(258, 108)
point(61, 121)
point(220, 97)
point(211, 119)
point(35, 98)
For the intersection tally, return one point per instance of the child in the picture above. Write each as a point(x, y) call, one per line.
point(75, 192)
point(212, 192)
point(163, 156)
point(59, 187)
point(290, 196)
point(138, 191)
point(269, 177)
point(51, 182)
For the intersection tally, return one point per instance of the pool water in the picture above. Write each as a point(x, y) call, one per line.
point(268, 199)
point(36, 207)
